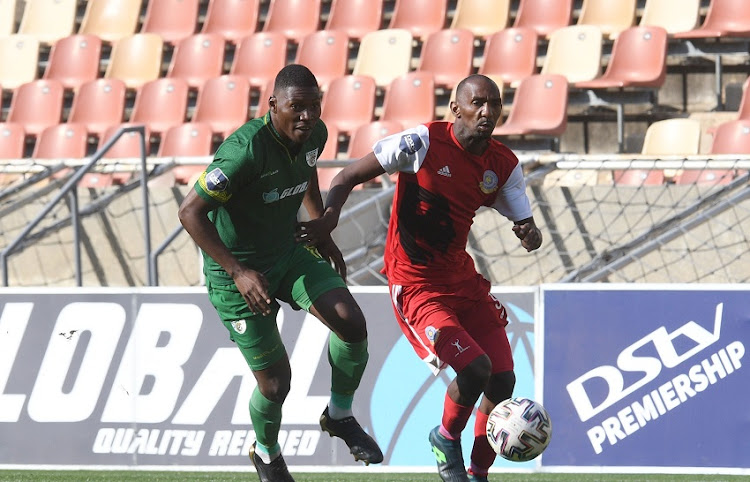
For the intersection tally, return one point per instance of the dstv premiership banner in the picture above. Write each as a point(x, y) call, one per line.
point(647, 376)
point(150, 377)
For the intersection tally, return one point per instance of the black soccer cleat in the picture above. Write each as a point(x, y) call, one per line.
point(362, 446)
point(276, 471)
point(477, 478)
point(450, 460)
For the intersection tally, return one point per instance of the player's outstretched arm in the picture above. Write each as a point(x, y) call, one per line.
point(527, 231)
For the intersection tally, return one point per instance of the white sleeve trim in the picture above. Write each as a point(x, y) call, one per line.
point(404, 151)
point(512, 201)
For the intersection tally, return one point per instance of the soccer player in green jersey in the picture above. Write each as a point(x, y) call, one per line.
point(242, 213)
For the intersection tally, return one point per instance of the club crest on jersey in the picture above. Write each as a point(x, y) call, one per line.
point(216, 181)
point(431, 333)
point(410, 143)
point(489, 182)
point(312, 157)
point(239, 326)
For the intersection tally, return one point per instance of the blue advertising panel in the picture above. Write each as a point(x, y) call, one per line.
point(646, 376)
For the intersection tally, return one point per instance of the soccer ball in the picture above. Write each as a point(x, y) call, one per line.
point(519, 429)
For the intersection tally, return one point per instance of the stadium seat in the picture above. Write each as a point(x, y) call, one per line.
point(331, 149)
point(136, 59)
point(420, 17)
point(481, 17)
point(704, 176)
point(191, 139)
point(12, 139)
point(326, 54)
point(732, 137)
point(37, 105)
point(7, 17)
point(128, 145)
point(510, 55)
point(454, 44)
point(639, 177)
point(161, 104)
point(74, 60)
point(744, 110)
point(355, 17)
point(223, 104)
point(671, 15)
point(410, 100)
point(540, 108)
point(544, 16)
point(197, 58)
point(232, 19)
point(724, 18)
point(680, 137)
point(349, 102)
point(367, 135)
point(111, 20)
point(384, 55)
point(48, 21)
point(62, 141)
point(259, 57)
point(173, 20)
point(611, 16)
point(19, 60)
point(574, 52)
point(304, 21)
point(638, 59)
point(99, 104)
point(263, 96)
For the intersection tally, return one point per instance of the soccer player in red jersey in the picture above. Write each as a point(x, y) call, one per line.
point(446, 172)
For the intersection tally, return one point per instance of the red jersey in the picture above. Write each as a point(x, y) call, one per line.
point(440, 187)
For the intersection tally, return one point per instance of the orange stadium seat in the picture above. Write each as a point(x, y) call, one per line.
point(128, 145)
point(136, 59)
point(37, 105)
point(259, 57)
point(540, 107)
point(638, 59)
point(173, 20)
point(263, 96)
point(326, 54)
point(12, 139)
point(19, 60)
point(304, 21)
point(355, 17)
point(454, 44)
point(190, 139)
point(384, 55)
point(611, 16)
point(197, 58)
point(161, 104)
point(74, 60)
point(725, 18)
point(744, 111)
point(574, 52)
point(639, 177)
point(232, 19)
point(420, 17)
point(671, 15)
point(368, 134)
point(223, 104)
point(111, 20)
point(410, 100)
point(48, 21)
point(732, 137)
point(99, 104)
point(482, 17)
point(510, 55)
point(331, 149)
point(349, 102)
point(62, 141)
point(544, 16)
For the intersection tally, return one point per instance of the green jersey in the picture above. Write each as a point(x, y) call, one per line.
point(257, 188)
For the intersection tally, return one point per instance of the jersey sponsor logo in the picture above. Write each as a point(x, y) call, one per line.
point(489, 182)
point(410, 143)
point(312, 157)
point(444, 171)
point(274, 195)
point(239, 326)
point(269, 173)
point(459, 349)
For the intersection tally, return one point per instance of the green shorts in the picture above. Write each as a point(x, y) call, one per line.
point(298, 279)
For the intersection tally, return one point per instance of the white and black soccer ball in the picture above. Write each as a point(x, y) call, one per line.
point(519, 429)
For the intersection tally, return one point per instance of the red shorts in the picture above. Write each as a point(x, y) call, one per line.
point(453, 325)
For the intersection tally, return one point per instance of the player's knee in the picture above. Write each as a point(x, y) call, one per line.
point(473, 378)
point(500, 386)
point(275, 389)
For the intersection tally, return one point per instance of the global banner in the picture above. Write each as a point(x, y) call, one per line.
point(647, 376)
point(149, 377)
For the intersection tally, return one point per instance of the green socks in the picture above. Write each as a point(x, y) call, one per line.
point(348, 362)
point(266, 418)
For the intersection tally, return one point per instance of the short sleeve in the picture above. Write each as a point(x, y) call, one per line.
point(404, 151)
point(512, 201)
point(225, 174)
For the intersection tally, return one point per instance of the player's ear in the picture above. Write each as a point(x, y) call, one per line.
point(272, 103)
point(454, 109)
